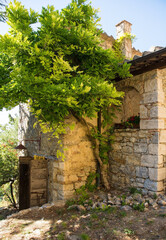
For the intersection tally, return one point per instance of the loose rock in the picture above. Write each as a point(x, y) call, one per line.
point(126, 208)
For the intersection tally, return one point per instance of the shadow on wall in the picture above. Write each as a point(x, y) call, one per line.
point(130, 105)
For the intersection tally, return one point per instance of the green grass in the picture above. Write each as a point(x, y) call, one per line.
point(1, 217)
point(135, 190)
point(122, 214)
point(61, 236)
point(128, 231)
point(84, 236)
point(162, 215)
point(140, 207)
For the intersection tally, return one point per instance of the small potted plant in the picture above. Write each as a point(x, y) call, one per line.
point(132, 122)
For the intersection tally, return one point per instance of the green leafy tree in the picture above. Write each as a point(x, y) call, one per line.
point(9, 132)
point(60, 68)
point(2, 12)
point(8, 158)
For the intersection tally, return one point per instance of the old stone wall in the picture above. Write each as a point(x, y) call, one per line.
point(107, 41)
point(64, 177)
point(78, 164)
point(47, 148)
point(130, 162)
point(162, 114)
point(142, 152)
point(130, 104)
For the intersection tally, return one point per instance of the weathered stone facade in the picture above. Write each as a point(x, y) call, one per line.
point(138, 156)
point(123, 28)
point(64, 177)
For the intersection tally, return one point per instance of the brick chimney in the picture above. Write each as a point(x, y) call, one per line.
point(122, 28)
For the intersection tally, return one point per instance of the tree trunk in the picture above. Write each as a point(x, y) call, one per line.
point(98, 178)
point(103, 167)
point(12, 195)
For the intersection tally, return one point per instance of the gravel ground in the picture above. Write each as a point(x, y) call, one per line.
point(78, 222)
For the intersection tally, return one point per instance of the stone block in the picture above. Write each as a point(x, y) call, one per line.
point(57, 186)
point(120, 160)
point(140, 147)
point(68, 194)
point(154, 112)
point(153, 97)
point(157, 174)
point(86, 170)
point(143, 140)
point(155, 137)
point(152, 85)
point(152, 124)
point(54, 195)
point(60, 178)
point(162, 149)
point(162, 137)
point(162, 174)
point(153, 149)
point(79, 184)
point(118, 138)
point(133, 139)
point(116, 146)
point(130, 144)
point(164, 160)
point(133, 160)
point(68, 187)
point(143, 112)
point(61, 165)
point(56, 164)
point(158, 112)
point(142, 172)
point(60, 195)
point(139, 185)
point(153, 186)
point(127, 149)
point(149, 160)
point(72, 178)
point(127, 134)
point(114, 169)
point(150, 185)
point(140, 180)
point(153, 174)
point(128, 170)
point(143, 133)
point(80, 174)
point(160, 160)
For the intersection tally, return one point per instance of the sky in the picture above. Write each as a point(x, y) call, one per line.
point(148, 18)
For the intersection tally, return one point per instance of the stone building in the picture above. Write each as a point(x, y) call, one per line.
point(138, 156)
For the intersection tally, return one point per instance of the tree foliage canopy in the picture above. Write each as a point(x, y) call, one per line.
point(60, 68)
point(9, 159)
point(8, 156)
point(2, 12)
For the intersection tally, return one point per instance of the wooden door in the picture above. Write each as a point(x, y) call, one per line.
point(24, 186)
